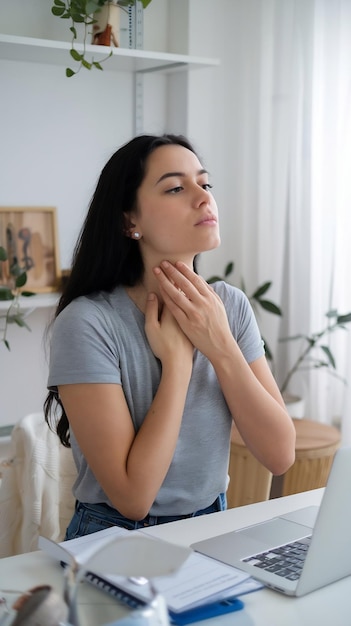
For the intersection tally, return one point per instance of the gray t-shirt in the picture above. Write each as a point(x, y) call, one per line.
point(101, 339)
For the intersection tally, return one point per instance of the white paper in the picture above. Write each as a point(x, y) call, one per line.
point(199, 581)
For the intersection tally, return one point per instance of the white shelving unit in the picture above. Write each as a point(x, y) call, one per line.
point(39, 301)
point(15, 48)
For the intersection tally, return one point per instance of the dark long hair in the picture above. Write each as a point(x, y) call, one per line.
point(104, 257)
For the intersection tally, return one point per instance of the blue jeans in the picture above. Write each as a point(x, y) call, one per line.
point(89, 518)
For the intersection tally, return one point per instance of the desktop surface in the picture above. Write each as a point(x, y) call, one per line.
point(265, 607)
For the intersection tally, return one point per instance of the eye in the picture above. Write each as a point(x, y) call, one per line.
point(175, 189)
point(207, 186)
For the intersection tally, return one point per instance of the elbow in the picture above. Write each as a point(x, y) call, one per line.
point(283, 462)
point(281, 466)
point(284, 456)
point(132, 509)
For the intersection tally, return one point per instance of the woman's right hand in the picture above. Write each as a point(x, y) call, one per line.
point(166, 338)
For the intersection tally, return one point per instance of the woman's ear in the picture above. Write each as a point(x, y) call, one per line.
point(129, 227)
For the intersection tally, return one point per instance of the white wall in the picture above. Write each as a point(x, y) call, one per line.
point(57, 133)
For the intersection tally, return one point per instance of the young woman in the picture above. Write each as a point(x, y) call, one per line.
point(149, 364)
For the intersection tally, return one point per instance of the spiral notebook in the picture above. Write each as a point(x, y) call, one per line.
point(200, 585)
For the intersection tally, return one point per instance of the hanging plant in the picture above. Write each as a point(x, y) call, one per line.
point(81, 12)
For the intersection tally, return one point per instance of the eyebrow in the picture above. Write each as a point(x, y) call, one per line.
point(180, 174)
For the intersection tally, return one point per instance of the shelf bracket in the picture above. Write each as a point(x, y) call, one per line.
point(136, 40)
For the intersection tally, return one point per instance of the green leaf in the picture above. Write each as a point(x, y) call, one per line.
point(267, 305)
point(73, 30)
point(58, 11)
point(92, 6)
point(261, 290)
point(21, 280)
point(268, 352)
point(18, 319)
point(97, 65)
point(332, 313)
point(7, 345)
point(78, 18)
point(69, 72)
point(344, 319)
point(86, 64)
point(76, 55)
point(3, 254)
point(214, 279)
point(331, 360)
point(293, 338)
point(28, 294)
point(229, 268)
point(6, 294)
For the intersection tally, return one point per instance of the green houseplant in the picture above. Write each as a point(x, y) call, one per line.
point(13, 314)
point(83, 12)
point(314, 351)
point(257, 298)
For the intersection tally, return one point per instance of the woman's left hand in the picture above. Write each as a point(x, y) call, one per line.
point(197, 308)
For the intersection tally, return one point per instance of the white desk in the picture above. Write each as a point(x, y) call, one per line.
point(329, 606)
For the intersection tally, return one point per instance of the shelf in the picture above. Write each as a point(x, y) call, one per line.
point(15, 48)
point(39, 301)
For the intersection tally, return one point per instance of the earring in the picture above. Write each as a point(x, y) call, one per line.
point(136, 235)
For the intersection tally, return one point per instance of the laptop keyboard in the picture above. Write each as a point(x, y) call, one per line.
point(286, 561)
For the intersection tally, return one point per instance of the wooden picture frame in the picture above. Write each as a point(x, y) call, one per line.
point(29, 236)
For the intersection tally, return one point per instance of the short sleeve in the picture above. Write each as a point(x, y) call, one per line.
point(83, 347)
point(242, 320)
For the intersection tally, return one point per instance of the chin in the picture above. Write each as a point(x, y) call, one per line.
point(212, 245)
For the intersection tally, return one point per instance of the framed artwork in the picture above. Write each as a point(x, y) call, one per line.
point(29, 236)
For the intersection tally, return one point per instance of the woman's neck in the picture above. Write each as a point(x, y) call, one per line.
point(148, 284)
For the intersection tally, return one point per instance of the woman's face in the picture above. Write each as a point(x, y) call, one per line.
point(177, 216)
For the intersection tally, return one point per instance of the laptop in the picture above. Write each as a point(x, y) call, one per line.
point(300, 551)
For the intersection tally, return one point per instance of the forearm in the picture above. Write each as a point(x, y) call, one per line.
point(257, 409)
point(153, 447)
point(129, 466)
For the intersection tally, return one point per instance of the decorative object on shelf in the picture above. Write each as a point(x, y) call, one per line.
point(18, 276)
point(256, 298)
point(315, 354)
point(106, 25)
point(85, 12)
point(29, 236)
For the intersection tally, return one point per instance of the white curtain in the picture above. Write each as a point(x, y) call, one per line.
point(331, 198)
point(300, 165)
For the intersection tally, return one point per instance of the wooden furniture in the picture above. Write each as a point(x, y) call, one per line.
point(316, 445)
point(249, 480)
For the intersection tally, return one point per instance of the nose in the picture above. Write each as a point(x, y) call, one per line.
point(201, 196)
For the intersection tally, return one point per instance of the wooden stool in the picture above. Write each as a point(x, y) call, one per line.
point(316, 445)
point(249, 481)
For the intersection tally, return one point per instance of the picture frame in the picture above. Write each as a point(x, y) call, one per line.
point(29, 236)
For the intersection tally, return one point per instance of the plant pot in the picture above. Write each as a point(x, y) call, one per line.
point(295, 405)
point(106, 30)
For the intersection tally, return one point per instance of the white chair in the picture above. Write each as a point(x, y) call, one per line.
point(36, 488)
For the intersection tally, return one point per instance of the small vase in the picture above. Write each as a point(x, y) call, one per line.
point(106, 30)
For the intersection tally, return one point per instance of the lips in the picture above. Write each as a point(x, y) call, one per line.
point(210, 220)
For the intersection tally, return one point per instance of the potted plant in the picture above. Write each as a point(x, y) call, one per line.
point(86, 13)
point(256, 298)
point(314, 352)
point(12, 293)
